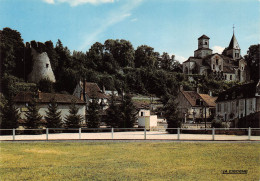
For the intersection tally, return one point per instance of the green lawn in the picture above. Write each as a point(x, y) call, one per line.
point(128, 161)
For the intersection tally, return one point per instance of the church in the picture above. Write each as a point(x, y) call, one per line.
point(228, 66)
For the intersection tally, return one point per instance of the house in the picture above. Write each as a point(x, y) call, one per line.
point(87, 91)
point(238, 102)
point(22, 99)
point(192, 105)
point(228, 66)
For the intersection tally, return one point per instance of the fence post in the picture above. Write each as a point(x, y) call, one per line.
point(213, 134)
point(145, 133)
point(13, 134)
point(47, 134)
point(112, 133)
point(79, 133)
point(249, 133)
point(178, 132)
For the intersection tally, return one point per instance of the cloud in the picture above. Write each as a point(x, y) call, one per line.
point(181, 59)
point(113, 18)
point(78, 2)
point(133, 20)
point(218, 49)
point(49, 1)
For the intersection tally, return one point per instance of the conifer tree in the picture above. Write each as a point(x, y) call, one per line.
point(93, 117)
point(10, 116)
point(73, 120)
point(113, 113)
point(128, 112)
point(53, 116)
point(171, 115)
point(33, 117)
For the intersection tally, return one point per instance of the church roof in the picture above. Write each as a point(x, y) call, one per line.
point(203, 37)
point(233, 43)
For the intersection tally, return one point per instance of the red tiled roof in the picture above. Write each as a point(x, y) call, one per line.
point(192, 96)
point(93, 91)
point(41, 97)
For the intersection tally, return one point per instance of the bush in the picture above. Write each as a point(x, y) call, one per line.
point(217, 124)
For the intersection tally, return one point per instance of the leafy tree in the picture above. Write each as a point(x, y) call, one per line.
point(171, 115)
point(113, 113)
point(93, 117)
point(45, 85)
point(10, 116)
point(146, 57)
point(73, 120)
point(53, 116)
point(129, 112)
point(253, 61)
point(33, 117)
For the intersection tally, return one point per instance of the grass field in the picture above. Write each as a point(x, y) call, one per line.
point(128, 161)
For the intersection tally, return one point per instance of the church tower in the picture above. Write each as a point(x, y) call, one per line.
point(203, 47)
point(233, 49)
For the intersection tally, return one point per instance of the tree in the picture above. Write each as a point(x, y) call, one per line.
point(33, 117)
point(53, 116)
point(10, 116)
point(93, 117)
point(73, 120)
point(171, 114)
point(253, 61)
point(146, 57)
point(128, 112)
point(113, 113)
point(45, 85)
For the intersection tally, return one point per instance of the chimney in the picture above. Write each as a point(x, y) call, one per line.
point(84, 91)
point(210, 93)
point(198, 90)
point(181, 87)
point(103, 89)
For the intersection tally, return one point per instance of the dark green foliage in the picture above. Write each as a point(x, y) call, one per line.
point(171, 115)
point(33, 117)
point(93, 117)
point(53, 116)
point(113, 117)
point(73, 120)
point(10, 116)
point(252, 120)
point(146, 57)
point(128, 113)
point(217, 124)
point(45, 85)
point(253, 61)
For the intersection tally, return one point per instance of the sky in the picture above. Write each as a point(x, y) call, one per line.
point(171, 26)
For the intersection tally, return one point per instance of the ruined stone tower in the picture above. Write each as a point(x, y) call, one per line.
point(41, 67)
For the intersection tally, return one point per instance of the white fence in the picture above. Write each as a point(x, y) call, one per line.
point(131, 133)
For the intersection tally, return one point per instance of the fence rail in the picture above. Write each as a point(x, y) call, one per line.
point(131, 133)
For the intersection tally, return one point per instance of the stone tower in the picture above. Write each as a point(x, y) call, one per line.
point(41, 67)
point(203, 47)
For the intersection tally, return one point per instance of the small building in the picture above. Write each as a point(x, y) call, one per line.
point(238, 102)
point(192, 105)
point(64, 101)
point(146, 120)
point(87, 91)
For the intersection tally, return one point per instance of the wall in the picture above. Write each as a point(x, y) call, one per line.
point(44, 107)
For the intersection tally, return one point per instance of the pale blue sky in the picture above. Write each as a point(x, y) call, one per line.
point(171, 26)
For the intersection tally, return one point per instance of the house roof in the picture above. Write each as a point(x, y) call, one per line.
point(203, 37)
point(238, 92)
point(93, 91)
point(41, 97)
point(193, 96)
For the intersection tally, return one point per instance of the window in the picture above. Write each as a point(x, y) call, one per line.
point(225, 107)
point(241, 105)
point(206, 43)
point(213, 66)
point(219, 107)
point(225, 77)
point(242, 68)
point(250, 104)
point(47, 65)
point(216, 61)
point(230, 77)
point(142, 113)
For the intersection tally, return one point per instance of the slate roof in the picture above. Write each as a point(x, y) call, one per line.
point(41, 97)
point(238, 92)
point(233, 43)
point(192, 96)
point(203, 37)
